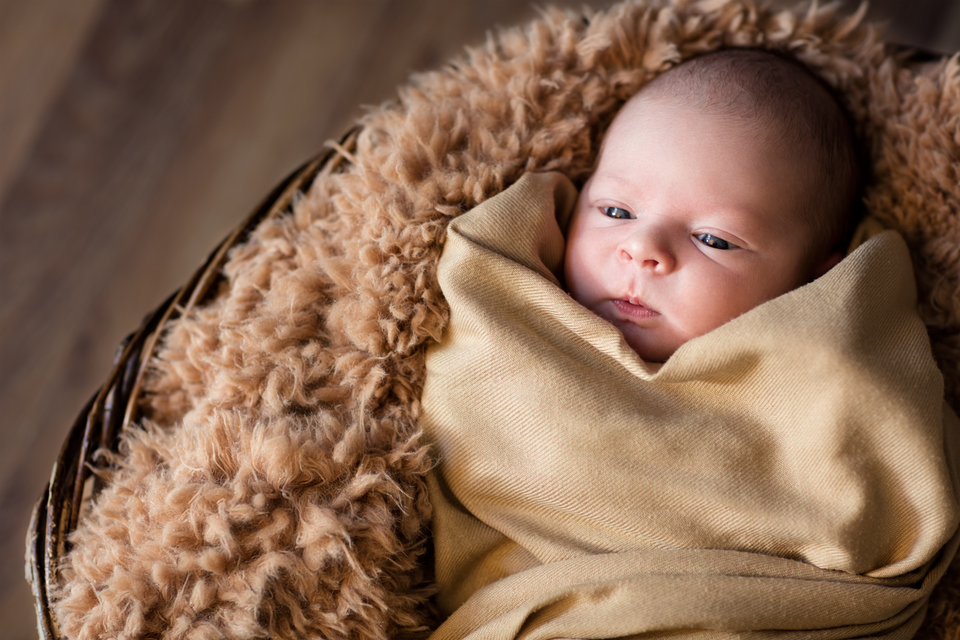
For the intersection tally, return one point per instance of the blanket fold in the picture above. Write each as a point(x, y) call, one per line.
point(794, 470)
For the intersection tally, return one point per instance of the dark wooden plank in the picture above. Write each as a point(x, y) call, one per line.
point(39, 40)
point(930, 24)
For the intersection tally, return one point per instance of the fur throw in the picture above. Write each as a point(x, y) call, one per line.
point(276, 486)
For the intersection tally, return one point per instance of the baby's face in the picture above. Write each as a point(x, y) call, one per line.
point(688, 221)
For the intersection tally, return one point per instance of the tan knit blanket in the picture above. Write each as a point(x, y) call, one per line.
point(793, 470)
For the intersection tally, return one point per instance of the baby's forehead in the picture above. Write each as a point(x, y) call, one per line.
point(755, 95)
point(661, 109)
point(768, 89)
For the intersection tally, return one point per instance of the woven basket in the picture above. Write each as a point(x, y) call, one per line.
point(114, 406)
point(72, 483)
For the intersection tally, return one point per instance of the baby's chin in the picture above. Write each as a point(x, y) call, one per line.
point(653, 355)
point(646, 344)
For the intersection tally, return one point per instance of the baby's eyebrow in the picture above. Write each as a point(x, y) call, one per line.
point(633, 189)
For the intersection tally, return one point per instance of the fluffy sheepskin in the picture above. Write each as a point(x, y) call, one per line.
point(276, 487)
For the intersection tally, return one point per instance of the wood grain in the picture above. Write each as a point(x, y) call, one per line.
point(31, 73)
point(135, 133)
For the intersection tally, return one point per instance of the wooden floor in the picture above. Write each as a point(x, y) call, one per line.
point(134, 133)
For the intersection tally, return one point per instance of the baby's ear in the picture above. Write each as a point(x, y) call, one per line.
point(828, 262)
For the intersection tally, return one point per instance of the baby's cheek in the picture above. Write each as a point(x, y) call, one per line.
point(577, 273)
point(711, 311)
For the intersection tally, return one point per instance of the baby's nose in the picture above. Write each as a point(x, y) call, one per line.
point(648, 248)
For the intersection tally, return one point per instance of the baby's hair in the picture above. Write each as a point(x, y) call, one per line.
point(794, 109)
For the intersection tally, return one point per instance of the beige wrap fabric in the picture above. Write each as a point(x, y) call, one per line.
point(793, 472)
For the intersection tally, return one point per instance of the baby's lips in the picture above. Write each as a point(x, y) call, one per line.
point(635, 309)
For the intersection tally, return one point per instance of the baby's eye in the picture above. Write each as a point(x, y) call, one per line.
point(616, 212)
point(715, 242)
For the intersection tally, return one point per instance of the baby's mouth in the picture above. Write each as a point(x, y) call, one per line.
point(634, 310)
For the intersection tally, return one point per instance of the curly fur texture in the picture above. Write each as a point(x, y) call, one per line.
point(276, 488)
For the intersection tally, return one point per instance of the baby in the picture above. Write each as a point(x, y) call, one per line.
point(792, 444)
point(723, 183)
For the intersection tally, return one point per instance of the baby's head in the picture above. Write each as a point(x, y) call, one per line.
point(725, 182)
